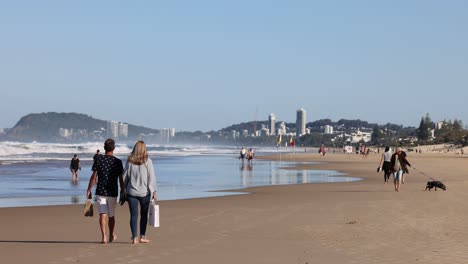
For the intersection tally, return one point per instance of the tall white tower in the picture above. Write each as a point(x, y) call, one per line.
point(123, 130)
point(300, 122)
point(272, 123)
point(112, 129)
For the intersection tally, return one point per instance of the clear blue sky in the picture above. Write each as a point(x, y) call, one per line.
point(203, 65)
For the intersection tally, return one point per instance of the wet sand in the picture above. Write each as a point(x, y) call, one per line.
point(355, 222)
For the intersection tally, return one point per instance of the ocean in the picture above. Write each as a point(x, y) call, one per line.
point(37, 174)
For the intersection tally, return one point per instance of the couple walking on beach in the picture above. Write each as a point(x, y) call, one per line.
point(395, 163)
point(137, 187)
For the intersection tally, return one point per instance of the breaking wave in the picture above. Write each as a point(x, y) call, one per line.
point(11, 152)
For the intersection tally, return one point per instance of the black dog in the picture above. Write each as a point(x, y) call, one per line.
point(435, 184)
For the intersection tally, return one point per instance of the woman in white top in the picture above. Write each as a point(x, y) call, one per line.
point(385, 164)
point(140, 188)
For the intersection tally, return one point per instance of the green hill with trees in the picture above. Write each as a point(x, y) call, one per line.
point(45, 127)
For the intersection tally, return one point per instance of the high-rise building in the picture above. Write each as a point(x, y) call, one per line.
point(235, 134)
point(282, 129)
point(123, 130)
point(272, 123)
point(165, 135)
point(172, 132)
point(300, 122)
point(328, 129)
point(64, 132)
point(112, 129)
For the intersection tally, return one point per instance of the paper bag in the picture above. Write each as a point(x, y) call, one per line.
point(88, 208)
point(153, 214)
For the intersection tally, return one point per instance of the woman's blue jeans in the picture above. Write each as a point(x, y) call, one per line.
point(133, 202)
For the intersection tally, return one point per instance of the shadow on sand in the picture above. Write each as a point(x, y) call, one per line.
point(57, 242)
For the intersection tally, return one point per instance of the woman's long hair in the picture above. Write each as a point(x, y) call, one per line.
point(139, 153)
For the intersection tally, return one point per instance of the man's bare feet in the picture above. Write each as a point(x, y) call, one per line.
point(135, 241)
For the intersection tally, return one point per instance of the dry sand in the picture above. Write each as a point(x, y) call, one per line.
point(356, 222)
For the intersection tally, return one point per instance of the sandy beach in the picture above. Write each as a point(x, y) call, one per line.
point(354, 222)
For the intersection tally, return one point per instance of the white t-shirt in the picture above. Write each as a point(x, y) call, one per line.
point(387, 156)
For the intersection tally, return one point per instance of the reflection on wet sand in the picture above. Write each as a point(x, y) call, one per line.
point(247, 180)
point(74, 181)
point(75, 200)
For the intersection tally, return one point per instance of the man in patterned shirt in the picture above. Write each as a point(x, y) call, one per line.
point(107, 171)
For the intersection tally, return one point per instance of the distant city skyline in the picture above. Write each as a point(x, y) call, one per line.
point(204, 65)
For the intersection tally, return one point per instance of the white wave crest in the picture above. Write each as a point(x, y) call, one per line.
point(35, 151)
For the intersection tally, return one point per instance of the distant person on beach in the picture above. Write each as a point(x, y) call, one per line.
point(404, 164)
point(322, 150)
point(75, 166)
point(96, 155)
point(364, 151)
point(107, 172)
point(397, 172)
point(140, 188)
point(399, 165)
point(242, 154)
point(250, 155)
point(385, 164)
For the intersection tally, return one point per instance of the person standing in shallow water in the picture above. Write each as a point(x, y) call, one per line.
point(242, 154)
point(75, 166)
point(107, 172)
point(140, 187)
point(96, 155)
point(250, 156)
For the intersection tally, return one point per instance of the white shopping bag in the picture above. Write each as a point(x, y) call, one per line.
point(153, 214)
